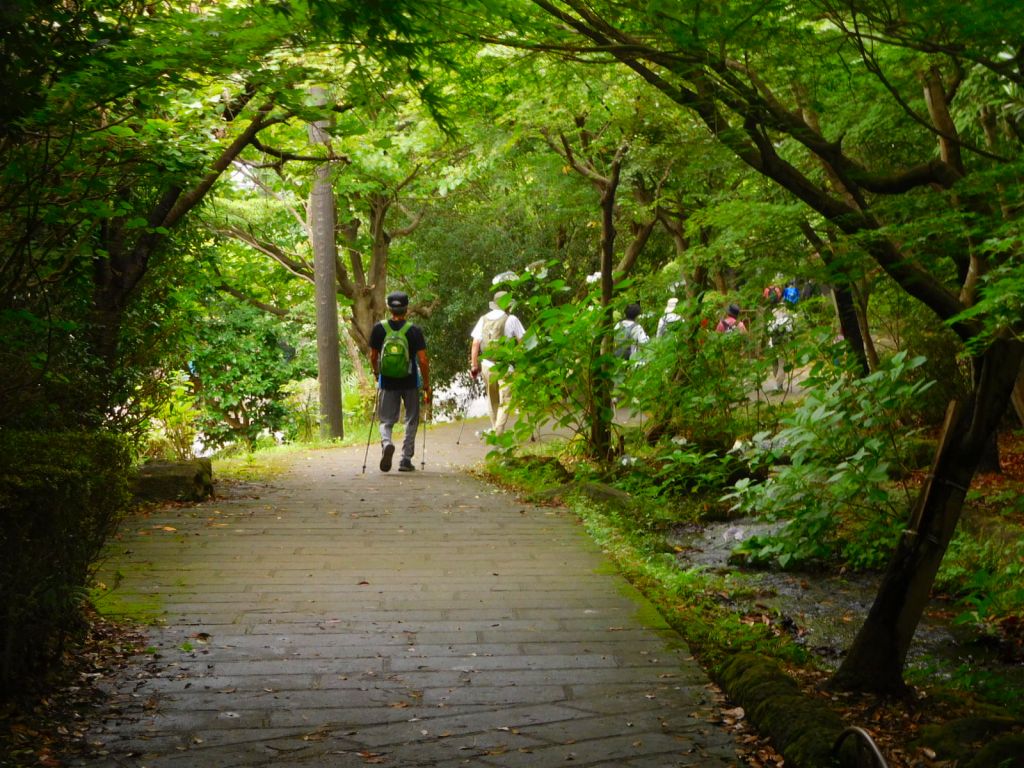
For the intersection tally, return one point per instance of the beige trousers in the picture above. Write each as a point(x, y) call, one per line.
point(498, 395)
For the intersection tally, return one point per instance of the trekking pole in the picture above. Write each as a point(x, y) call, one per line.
point(373, 418)
point(465, 411)
point(425, 423)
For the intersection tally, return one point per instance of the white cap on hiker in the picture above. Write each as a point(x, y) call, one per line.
point(497, 297)
point(504, 277)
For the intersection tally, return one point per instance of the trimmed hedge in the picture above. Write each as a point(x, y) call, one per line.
point(61, 496)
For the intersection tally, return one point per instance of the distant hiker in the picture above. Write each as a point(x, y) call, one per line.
point(629, 334)
point(496, 324)
point(792, 294)
point(398, 357)
point(670, 316)
point(731, 322)
point(780, 327)
point(772, 294)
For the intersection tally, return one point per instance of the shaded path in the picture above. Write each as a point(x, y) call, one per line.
point(418, 619)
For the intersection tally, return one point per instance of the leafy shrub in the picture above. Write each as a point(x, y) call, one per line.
point(845, 442)
point(240, 367)
point(61, 495)
point(301, 421)
point(987, 578)
point(559, 362)
point(696, 383)
point(693, 382)
point(173, 427)
point(679, 470)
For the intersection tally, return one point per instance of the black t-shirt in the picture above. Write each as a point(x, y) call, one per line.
point(417, 342)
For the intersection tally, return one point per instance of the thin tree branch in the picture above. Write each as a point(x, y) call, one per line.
point(293, 264)
point(253, 301)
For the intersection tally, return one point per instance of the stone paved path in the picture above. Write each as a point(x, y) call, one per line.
point(421, 619)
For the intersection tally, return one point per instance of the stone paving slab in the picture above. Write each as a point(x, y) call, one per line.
point(339, 619)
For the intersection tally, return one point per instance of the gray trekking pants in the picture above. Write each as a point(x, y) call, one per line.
point(391, 401)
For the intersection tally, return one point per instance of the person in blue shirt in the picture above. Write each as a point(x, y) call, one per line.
point(792, 294)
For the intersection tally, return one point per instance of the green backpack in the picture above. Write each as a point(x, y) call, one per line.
point(395, 360)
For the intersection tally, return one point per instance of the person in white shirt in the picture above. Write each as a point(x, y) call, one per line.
point(780, 328)
point(496, 324)
point(669, 317)
point(629, 334)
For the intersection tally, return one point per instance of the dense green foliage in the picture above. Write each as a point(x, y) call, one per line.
point(845, 443)
point(61, 496)
point(240, 365)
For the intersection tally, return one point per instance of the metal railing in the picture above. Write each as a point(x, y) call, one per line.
point(865, 738)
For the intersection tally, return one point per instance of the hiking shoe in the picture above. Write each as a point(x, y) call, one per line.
point(385, 459)
point(405, 465)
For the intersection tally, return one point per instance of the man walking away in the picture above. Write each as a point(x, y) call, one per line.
point(629, 334)
point(398, 357)
point(496, 324)
point(670, 316)
point(780, 327)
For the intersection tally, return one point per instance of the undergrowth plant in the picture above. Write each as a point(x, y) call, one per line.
point(555, 373)
point(844, 444)
point(696, 383)
point(986, 576)
point(173, 428)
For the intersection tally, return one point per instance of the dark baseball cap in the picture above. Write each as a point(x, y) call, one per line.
point(398, 300)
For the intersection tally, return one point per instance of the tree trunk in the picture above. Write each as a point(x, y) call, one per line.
point(356, 356)
point(849, 324)
point(366, 287)
point(988, 461)
point(842, 297)
point(876, 658)
point(861, 294)
point(323, 227)
point(321, 215)
point(124, 263)
point(1018, 397)
point(601, 425)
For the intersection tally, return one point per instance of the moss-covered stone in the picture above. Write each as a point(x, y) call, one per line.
point(603, 494)
point(174, 480)
point(546, 469)
point(801, 728)
point(599, 493)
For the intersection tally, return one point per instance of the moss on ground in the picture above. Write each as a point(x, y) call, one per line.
point(965, 739)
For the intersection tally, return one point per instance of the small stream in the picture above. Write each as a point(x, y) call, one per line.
point(824, 611)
